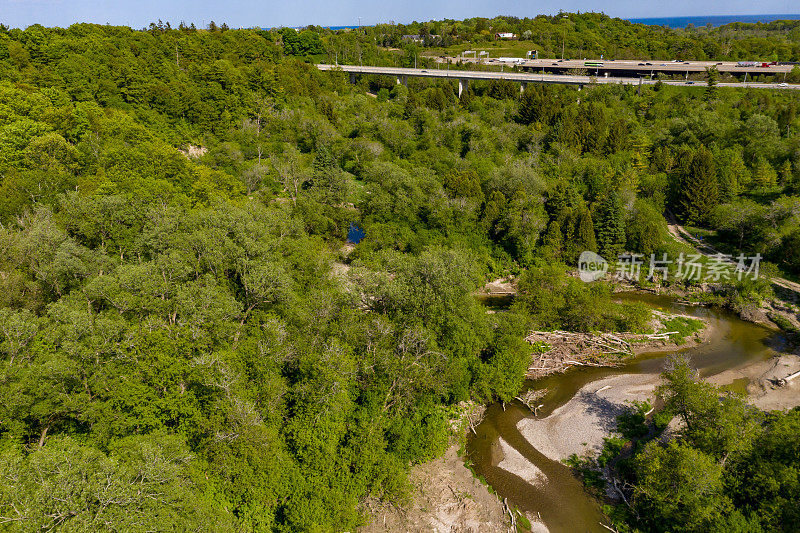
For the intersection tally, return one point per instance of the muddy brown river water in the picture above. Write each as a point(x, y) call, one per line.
point(561, 502)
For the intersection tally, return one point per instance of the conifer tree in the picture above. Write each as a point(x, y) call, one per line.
point(586, 238)
point(764, 175)
point(610, 226)
point(554, 239)
point(786, 173)
point(699, 192)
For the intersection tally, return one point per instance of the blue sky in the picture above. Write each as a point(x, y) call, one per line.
point(266, 13)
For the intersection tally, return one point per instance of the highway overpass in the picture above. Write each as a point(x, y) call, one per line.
point(462, 77)
point(636, 68)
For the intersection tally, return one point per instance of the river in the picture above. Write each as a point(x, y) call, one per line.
point(561, 502)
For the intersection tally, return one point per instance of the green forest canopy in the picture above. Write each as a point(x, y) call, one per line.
point(176, 311)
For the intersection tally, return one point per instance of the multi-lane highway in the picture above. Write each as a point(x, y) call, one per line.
point(642, 67)
point(463, 76)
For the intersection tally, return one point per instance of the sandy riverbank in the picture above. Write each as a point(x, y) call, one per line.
point(762, 382)
point(515, 463)
point(580, 425)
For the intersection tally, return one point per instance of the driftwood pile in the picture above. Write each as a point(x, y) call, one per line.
point(567, 349)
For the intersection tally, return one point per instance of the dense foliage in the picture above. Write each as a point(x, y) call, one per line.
point(177, 309)
point(730, 467)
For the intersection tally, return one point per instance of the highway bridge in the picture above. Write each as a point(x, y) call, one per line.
point(463, 77)
point(636, 68)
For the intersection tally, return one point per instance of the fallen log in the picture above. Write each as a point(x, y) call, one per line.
point(530, 397)
point(785, 381)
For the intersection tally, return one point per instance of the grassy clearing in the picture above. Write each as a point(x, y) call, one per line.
point(683, 326)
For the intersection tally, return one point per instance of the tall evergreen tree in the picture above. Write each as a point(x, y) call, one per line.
point(611, 226)
point(764, 175)
point(699, 190)
point(786, 173)
point(586, 238)
point(554, 239)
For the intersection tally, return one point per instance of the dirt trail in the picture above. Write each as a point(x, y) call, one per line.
point(787, 293)
point(682, 235)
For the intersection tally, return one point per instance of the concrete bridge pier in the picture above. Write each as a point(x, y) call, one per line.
point(463, 85)
point(402, 80)
point(522, 86)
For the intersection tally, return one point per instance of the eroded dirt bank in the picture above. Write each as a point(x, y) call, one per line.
point(446, 498)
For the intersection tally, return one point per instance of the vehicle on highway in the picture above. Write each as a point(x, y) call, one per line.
point(689, 83)
point(784, 84)
point(640, 65)
point(593, 64)
point(649, 64)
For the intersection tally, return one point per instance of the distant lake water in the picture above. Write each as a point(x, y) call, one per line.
point(714, 20)
point(670, 22)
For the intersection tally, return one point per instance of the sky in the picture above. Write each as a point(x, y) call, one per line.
point(271, 13)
